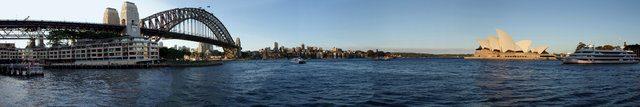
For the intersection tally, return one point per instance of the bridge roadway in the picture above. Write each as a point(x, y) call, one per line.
point(33, 26)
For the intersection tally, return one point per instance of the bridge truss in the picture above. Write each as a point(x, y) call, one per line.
point(192, 24)
point(191, 21)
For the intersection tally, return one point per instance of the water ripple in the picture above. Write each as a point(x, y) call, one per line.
point(336, 82)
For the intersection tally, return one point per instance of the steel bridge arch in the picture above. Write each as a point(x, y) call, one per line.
point(167, 20)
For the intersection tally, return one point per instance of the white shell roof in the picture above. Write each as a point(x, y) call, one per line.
point(493, 42)
point(504, 43)
point(484, 43)
point(524, 45)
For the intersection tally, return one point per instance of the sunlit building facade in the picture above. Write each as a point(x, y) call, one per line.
point(120, 50)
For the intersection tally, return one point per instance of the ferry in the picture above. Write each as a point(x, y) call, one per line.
point(590, 55)
point(298, 60)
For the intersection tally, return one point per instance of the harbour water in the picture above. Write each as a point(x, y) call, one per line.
point(351, 82)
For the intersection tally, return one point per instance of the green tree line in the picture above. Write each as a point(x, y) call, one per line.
point(605, 47)
point(172, 54)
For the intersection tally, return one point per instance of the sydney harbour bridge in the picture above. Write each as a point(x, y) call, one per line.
point(191, 24)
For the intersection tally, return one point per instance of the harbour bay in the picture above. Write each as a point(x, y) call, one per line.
point(334, 82)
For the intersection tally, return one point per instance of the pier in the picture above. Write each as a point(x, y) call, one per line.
point(102, 66)
point(21, 70)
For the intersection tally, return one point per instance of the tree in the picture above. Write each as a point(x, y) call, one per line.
point(371, 54)
point(605, 47)
point(171, 54)
point(580, 46)
point(380, 54)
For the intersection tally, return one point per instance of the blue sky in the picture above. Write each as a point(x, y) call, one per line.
point(432, 26)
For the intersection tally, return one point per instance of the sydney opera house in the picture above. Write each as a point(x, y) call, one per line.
point(503, 47)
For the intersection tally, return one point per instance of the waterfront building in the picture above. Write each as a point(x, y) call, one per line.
point(8, 51)
point(119, 50)
point(503, 47)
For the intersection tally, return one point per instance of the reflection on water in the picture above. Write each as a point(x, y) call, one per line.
point(349, 82)
point(500, 81)
point(520, 83)
point(87, 87)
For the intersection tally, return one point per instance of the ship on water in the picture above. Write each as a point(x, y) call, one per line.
point(504, 48)
point(590, 55)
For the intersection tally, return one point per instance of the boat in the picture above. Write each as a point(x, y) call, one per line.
point(590, 55)
point(382, 58)
point(298, 60)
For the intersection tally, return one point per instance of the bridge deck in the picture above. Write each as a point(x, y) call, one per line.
point(35, 25)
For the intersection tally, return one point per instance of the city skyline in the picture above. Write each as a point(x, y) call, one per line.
point(412, 26)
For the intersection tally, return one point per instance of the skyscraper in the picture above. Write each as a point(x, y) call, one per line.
point(203, 47)
point(275, 47)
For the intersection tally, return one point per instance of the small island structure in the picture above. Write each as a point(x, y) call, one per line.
point(504, 48)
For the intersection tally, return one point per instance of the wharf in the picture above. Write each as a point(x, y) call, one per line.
point(105, 66)
point(22, 69)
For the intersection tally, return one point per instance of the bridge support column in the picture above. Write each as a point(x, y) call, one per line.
point(41, 43)
point(40, 35)
point(32, 43)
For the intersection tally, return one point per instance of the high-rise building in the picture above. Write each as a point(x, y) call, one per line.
point(275, 46)
point(203, 47)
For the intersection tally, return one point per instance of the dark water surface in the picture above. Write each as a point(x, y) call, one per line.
point(351, 82)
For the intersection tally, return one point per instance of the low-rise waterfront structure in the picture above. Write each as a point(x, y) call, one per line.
point(119, 50)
